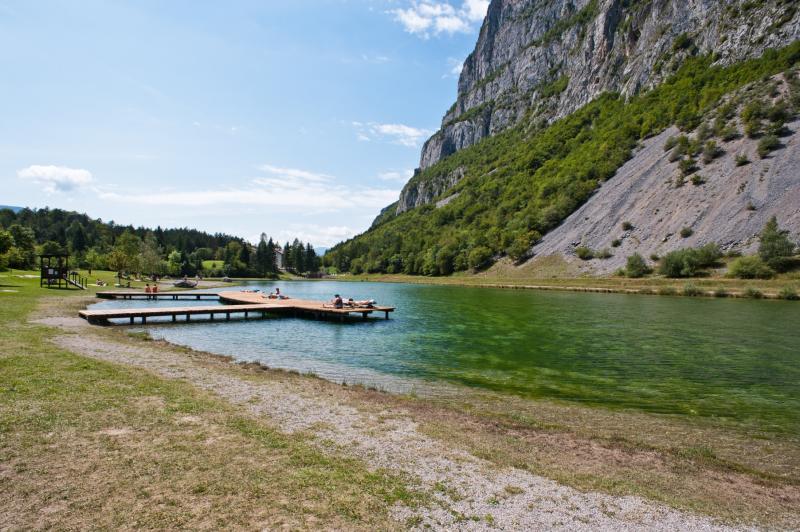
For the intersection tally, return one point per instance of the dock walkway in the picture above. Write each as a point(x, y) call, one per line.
point(233, 303)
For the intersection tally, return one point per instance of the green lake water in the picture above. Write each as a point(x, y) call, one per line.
point(734, 360)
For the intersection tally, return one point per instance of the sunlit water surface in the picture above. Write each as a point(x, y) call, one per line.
point(725, 358)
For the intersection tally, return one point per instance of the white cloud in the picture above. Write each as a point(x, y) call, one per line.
point(454, 67)
point(395, 133)
point(284, 189)
point(393, 175)
point(375, 59)
point(319, 235)
point(430, 17)
point(56, 178)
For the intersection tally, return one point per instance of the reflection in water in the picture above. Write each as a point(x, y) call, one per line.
point(734, 359)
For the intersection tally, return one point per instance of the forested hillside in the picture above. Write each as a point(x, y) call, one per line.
point(521, 183)
point(105, 245)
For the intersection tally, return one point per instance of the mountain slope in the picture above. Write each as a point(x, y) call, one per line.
point(499, 196)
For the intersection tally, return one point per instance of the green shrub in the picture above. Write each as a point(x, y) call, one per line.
point(788, 293)
point(688, 262)
point(671, 143)
point(616, 243)
point(775, 248)
point(627, 226)
point(479, 257)
point(749, 267)
point(687, 166)
point(721, 292)
point(604, 253)
point(584, 253)
point(679, 263)
point(686, 232)
point(767, 145)
point(708, 255)
point(729, 133)
point(742, 160)
point(691, 290)
point(636, 266)
point(711, 151)
point(753, 293)
point(654, 257)
point(666, 291)
point(698, 180)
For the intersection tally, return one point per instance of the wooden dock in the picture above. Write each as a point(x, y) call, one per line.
point(159, 295)
point(234, 304)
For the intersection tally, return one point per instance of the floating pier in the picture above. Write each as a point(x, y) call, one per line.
point(241, 304)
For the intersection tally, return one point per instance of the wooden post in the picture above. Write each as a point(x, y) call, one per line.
point(212, 316)
point(174, 318)
point(246, 314)
point(387, 314)
point(131, 320)
point(188, 317)
point(144, 320)
point(227, 316)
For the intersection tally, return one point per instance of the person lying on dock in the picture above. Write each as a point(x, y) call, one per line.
point(364, 303)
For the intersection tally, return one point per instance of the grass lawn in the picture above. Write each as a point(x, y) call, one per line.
point(85, 443)
point(213, 264)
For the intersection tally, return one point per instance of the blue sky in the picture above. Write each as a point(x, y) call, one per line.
point(295, 118)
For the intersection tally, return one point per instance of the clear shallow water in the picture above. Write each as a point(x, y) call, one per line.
point(724, 358)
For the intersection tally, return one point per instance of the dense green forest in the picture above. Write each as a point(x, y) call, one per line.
point(523, 182)
point(105, 245)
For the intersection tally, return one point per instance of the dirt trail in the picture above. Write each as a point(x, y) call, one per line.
point(468, 493)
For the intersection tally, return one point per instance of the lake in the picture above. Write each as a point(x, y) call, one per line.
point(730, 359)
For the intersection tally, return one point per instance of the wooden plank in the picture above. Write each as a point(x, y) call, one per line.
point(158, 295)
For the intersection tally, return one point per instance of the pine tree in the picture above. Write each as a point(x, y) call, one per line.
point(775, 248)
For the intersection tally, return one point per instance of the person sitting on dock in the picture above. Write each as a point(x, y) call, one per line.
point(337, 301)
point(154, 289)
point(147, 288)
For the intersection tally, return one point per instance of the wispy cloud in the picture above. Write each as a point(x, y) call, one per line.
point(56, 178)
point(454, 67)
point(395, 133)
point(396, 176)
point(285, 189)
point(430, 17)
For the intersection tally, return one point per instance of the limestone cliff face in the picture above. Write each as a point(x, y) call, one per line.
point(543, 59)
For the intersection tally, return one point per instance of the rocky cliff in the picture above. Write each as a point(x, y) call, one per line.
point(540, 60)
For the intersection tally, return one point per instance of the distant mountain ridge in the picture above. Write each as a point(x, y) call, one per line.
point(10, 207)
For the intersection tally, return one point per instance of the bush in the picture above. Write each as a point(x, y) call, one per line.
point(749, 267)
point(636, 266)
point(627, 226)
point(687, 166)
point(775, 249)
point(691, 290)
point(711, 151)
point(688, 262)
point(721, 292)
point(742, 160)
point(654, 257)
point(788, 293)
point(708, 255)
point(686, 232)
point(584, 253)
point(729, 133)
point(753, 293)
point(767, 145)
point(680, 263)
point(698, 180)
point(666, 291)
point(616, 243)
point(604, 253)
point(479, 257)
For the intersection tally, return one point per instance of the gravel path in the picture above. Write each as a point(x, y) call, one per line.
point(468, 493)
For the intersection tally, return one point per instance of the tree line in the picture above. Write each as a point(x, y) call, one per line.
point(94, 244)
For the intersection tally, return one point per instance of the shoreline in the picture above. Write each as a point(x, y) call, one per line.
point(691, 287)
